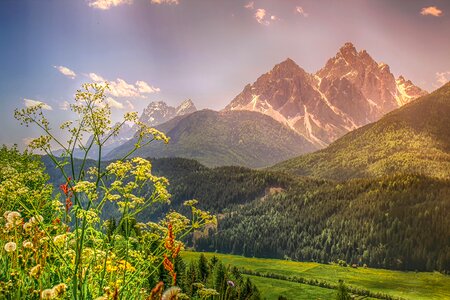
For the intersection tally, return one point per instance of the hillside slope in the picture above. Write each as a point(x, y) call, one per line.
point(412, 139)
point(214, 138)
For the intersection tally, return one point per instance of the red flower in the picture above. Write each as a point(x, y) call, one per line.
point(67, 190)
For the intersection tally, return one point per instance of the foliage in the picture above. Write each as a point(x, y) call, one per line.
point(68, 250)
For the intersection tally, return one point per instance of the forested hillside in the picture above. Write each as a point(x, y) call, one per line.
point(398, 222)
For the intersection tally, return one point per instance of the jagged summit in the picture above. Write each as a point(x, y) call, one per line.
point(186, 107)
point(351, 90)
point(159, 112)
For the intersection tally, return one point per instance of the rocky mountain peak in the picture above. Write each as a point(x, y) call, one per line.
point(159, 112)
point(186, 107)
point(348, 50)
point(286, 69)
point(351, 90)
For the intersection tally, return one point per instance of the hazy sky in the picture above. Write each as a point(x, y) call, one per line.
point(206, 50)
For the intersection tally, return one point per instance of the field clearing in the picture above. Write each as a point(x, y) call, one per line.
point(409, 285)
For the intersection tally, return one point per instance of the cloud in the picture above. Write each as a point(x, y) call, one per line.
point(442, 78)
point(299, 10)
point(31, 103)
point(107, 4)
point(64, 106)
point(165, 2)
point(431, 11)
point(96, 77)
point(144, 88)
point(250, 5)
point(66, 71)
point(120, 88)
point(114, 103)
point(260, 16)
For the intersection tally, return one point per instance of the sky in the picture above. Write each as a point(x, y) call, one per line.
point(204, 50)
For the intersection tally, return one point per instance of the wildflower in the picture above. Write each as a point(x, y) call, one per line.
point(157, 291)
point(27, 244)
point(230, 283)
point(10, 247)
point(191, 203)
point(48, 294)
point(59, 289)
point(69, 204)
point(59, 239)
point(171, 293)
point(68, 193)
point(168, 265)
point(35, 271)
point(65, 187)
point(27, 226)
point(13, 216)
point(170, 240)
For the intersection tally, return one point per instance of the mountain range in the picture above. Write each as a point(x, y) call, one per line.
point(350, 91)
point(159, 112)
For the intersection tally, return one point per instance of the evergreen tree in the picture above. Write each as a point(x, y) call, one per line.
point(203, 268)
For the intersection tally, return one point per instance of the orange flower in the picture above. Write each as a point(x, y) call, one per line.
point(169, 244)
point(68, 192)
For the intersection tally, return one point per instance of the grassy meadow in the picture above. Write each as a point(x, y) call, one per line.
point(408, 285)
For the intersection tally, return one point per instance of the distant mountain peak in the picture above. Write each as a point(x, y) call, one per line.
point(158, 112)
point(186, 107)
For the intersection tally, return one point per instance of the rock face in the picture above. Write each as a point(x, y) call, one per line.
point(159, 112)
point(350, 91)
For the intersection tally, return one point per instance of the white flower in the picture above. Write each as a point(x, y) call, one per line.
point(10, 247)
point(13, 216)
point(48, 294)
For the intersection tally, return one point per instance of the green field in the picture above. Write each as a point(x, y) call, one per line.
point(408, 285)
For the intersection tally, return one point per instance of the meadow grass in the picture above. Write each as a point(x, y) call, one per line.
point(409, 285)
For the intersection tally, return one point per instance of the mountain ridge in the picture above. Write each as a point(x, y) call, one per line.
point(350, 91)
point(412, 139)
point(213, 138)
